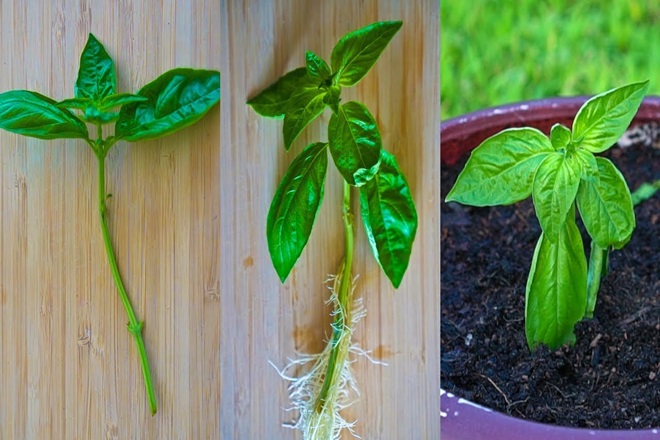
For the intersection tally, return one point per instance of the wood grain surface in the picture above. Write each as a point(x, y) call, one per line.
point(69, 368)
point(263, 320)
point(188, 217)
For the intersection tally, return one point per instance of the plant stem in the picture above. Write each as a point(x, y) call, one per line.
point(134, 326)
point(344, 298)
point(597, 268)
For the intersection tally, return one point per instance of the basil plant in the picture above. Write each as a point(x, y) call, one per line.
point(388, 211)
point(563, 175)
point(174, 100)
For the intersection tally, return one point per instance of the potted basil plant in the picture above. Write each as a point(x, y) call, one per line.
point(578, 197)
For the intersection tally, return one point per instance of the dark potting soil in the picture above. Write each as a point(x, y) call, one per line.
point(610, 379)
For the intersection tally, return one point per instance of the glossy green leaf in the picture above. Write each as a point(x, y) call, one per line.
point(501, 170)
point(604, 118)
point(355, 143)
point(556, 291)
point(304, 106)
point(355, 54)
point(119, 99)
point(554, 190)
point(96, 76)
point(317, 68)
point(176, 99)
point(606, 207)
point(76, 103)
point(273, 101)
point(31, 114)
point(588, 164)
point(560, 136)
point(94, 116)
point(389, 217)
point(295, 206)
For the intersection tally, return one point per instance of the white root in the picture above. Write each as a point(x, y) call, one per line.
point(316, 421)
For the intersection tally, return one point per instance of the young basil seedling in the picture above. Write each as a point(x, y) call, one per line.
point(174, 100)
point(560, 173)
point(388, 211)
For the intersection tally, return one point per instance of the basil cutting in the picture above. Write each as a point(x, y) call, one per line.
point(173, 101)
point(388, 211)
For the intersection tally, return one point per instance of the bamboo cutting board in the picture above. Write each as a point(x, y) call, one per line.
point(69, 368)
point(263, 320)
point(188, 217)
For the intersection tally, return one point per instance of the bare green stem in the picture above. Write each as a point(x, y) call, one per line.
point(340, 327)
point(134, 326)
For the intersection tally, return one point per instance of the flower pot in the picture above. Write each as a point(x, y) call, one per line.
point(462, 419)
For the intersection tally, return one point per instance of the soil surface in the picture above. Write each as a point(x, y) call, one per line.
point(610, 379)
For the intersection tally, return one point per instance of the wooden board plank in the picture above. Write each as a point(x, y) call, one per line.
point(69, 368)
point(263, 320)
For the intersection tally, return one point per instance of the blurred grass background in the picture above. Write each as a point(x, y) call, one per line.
point(496, 52)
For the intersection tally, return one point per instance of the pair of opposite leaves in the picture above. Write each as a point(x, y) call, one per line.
point(176, 99)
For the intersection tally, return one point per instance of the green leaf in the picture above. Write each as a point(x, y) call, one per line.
point(644, 192)
point(176, 99)
point(501, 170)
point(355, 54)
point(119, 99)
point(273, 100)
point(304, 106)
point(295, 206)
point(77, 103)
point(602, 120)
point(96, 76)
point(606, 207)
point(556, 293)
point(389, 217)
point(31, 114)
point(355, 143)
point(554, 190)
point(588, 164)
point(317, 69)
point(560, 136)
point(94, 116)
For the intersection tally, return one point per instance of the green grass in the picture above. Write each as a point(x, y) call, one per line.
point(497, 51)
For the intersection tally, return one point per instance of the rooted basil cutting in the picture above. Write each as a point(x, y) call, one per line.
point(388, 211)
point(561, 172)
point(175, 100)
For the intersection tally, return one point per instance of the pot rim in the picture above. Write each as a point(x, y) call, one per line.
point(545, 111)
point(474, 422)
point(479, 422)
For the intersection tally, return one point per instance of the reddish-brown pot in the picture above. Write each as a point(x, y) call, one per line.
point(460, 418)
